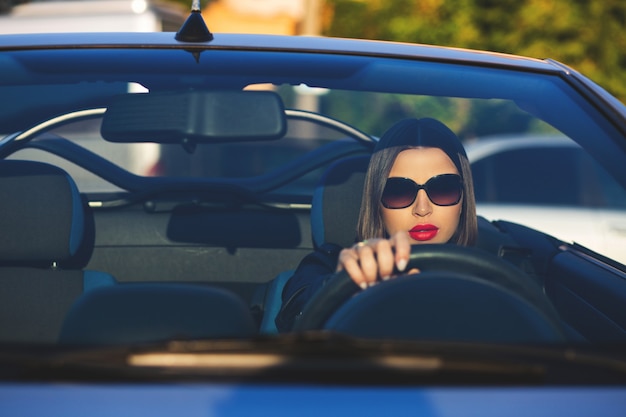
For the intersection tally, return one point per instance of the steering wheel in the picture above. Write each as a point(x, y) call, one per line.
point(460, 292)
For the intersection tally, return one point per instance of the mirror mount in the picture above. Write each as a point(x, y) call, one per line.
point(188, 145)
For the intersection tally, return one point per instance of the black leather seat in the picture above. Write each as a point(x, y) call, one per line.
point(334, 214)
point(337, 202)
point(152, 312)
point(45, 241)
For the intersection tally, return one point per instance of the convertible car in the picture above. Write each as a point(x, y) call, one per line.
point(157, 191)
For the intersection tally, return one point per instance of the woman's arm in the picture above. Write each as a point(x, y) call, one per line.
point(310, 275)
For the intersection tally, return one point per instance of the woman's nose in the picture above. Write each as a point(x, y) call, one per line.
point(422, 205)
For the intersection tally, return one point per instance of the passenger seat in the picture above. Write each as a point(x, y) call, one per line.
point(46, 238)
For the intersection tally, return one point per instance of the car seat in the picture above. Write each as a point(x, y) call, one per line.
point(152, 312)
point(337, 202)
point(46, 238)
point(334, 214)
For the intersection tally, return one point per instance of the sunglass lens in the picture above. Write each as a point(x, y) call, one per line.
point(398, 193)
point(445, 190)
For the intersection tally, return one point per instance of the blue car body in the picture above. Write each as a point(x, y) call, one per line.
point(223, 212)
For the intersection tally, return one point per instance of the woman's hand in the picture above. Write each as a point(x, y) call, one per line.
point(374, 259)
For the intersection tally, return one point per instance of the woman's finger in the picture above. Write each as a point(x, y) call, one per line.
point(349, 262)
point(368, 262)
point(384, 258)
point(402, 248)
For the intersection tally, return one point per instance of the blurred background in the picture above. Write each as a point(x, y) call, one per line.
point(587, 35)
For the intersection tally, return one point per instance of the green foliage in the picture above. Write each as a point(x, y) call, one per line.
point(587, 35)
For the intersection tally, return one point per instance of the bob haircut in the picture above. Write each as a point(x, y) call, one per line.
point(408, 134)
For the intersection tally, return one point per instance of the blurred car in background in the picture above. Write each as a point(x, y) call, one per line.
point(92, 16)
point(551, 184)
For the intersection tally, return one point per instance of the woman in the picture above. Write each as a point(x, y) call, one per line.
point(418, 189)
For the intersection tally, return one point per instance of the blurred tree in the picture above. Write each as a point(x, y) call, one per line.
point(587, 35)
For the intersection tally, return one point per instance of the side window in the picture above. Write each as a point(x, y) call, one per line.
point(528, 176)
point(614, 194)
point(556, 176)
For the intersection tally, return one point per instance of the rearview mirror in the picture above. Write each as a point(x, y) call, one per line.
point(192, 117)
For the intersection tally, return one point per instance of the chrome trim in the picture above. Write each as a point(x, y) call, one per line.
point(54, 122)
point(332, 123)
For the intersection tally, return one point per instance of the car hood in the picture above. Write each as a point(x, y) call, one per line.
point(319, 357)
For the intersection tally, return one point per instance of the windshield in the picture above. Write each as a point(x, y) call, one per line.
point(234, 216)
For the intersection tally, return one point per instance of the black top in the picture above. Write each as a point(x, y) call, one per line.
point(312, 272)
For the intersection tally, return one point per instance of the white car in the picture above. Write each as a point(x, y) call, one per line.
point(563, 191)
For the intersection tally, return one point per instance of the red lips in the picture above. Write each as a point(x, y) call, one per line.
point(423, 232)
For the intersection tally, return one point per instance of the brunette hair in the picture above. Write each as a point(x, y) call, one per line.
point(408, 134)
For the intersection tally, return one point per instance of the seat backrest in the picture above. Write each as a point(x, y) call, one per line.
point(337, 202)
point(152, 312)
point(43, 229)
point(334, 215)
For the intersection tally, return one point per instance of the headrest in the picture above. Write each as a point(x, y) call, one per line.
point(337, 202)
point(41, 213)
point(154, 312)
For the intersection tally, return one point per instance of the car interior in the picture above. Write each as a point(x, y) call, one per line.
point(236, 260)
point(175, 257)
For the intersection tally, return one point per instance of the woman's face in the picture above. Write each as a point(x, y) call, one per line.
point(424, 221)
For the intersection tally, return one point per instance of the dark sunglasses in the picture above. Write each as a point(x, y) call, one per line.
point(442, 190)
